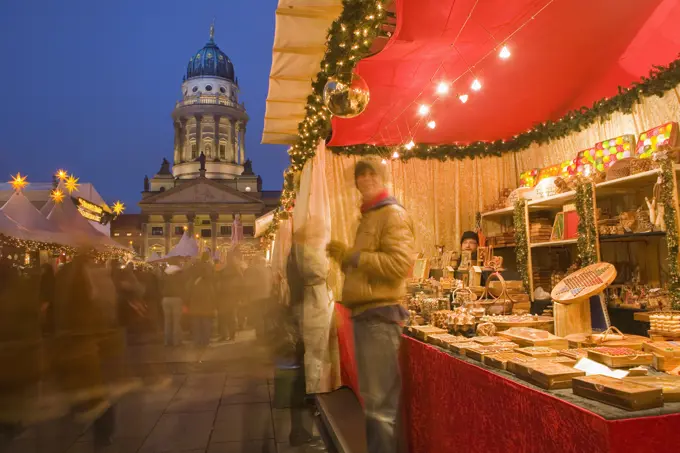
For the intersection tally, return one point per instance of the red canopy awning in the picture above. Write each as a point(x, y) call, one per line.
point(571, 54)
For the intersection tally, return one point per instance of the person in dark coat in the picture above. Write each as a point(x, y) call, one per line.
point(230, 287)
point(47, 283)
point(202, 300)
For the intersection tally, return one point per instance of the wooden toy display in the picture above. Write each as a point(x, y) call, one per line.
point(626, 394)
point(619, 357)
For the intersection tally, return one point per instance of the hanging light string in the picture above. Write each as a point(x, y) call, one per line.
point(469, 69)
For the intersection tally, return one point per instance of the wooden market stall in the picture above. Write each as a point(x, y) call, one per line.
point(467, 99)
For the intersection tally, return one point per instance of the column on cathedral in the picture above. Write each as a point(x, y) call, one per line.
point(237, 144)
point(242, 140)
point(177, 155)
point(167, 218)
point(184, 130)
point(145, 240)
point(213, 231)
point(190, 223)
point(231, 142)
point(199, 137)
point(217, 138)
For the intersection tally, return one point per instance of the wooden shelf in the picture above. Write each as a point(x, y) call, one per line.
point(631, 237)
point(551, 203)
point(553, 243)
point(499, 212)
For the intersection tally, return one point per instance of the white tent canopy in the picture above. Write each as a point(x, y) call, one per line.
point(10, 228)
point(187, 247)
point(299, 47)
point(20, 209)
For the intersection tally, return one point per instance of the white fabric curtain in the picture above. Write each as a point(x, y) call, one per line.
point(311, 233)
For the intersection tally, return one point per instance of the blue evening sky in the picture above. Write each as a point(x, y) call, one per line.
point(89, 85)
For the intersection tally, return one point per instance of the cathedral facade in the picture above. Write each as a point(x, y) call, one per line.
point(210, 182)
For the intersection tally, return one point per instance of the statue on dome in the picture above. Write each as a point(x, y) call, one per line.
point(248, 167)
point(165, 167)
point(146, 183)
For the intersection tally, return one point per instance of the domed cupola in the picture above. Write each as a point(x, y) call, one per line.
point(210, 61)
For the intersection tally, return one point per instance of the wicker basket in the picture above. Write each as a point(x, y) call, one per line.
point(642, 165)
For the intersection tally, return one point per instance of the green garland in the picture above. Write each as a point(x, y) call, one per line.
point(521, 243)
point(669, 217)
point(586, 244)
point(661, 79)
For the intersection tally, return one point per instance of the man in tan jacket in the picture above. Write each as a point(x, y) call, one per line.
point(375, 270)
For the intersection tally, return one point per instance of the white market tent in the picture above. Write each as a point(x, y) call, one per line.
point(187, 247)
point(20, 209)
point(10, 228)
point(301, 28)
point(155, 256)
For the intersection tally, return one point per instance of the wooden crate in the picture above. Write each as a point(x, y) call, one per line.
point(621, 393)
point(461, 347)
point(479, 353)
point(630, 341)
point(576, 354)
point(486, 341)
point(670, 349)
point(633, 359)
point(538, 351)
point(442, 339)
point(663, 363)
point(669, 385)
point(549, 375)
point(422, 332)
point(527, 336)
point(500, 360)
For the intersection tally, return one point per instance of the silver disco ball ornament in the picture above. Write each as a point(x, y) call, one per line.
point(346, 100)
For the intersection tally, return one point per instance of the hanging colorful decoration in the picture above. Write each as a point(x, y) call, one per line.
point(521, 243)
point(528, 178)
point(71, 184)
point(346, 100)
point(670, 219)
point(653, 139)
point(19, 182)
point(586, 244)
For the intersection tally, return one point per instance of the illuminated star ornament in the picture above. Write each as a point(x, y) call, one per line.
point(57, 195)
point(18, 182)
point(118, 207)
point(61, 175)
point(71, 183)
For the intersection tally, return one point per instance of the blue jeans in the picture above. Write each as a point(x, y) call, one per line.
point(202, 328)
point(376, 349)
point(172, 311)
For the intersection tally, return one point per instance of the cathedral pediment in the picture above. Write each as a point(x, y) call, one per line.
point(201, 191)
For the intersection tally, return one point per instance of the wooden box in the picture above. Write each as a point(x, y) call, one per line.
point(618, 392)
point(663, 363)
point(489, 340)
point(500, 360)
point(442, 339)
point(526, 336)
point(576, 354)
point(461, 347)
point(585, 341)
point(669, 385)
point(549, 375)
point(538, 351)
point(422, 332)
point(669, 349)
point(479, 353)
point(620, 357)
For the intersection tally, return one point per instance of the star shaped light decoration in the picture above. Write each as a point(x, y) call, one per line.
point(118, 207)
point(71, 183)
point(57, 195)
point(61, 175)
point(18, 182)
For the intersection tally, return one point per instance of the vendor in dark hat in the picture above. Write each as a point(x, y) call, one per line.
point(469, 242)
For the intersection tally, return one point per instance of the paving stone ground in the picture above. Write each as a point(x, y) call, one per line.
point(216, 400)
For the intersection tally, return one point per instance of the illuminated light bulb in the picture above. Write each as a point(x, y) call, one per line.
point(431, 124)
point(395, 155)
point(423, 109)
point(504, 53)
point(384, 162)
point(442, 88)
point(410, 145)
point(61, 175)
point(476, 85)
point(463, 98)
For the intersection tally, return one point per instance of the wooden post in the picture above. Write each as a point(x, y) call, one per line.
point(530, 269)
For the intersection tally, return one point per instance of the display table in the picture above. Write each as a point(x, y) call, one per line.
point(453, 404)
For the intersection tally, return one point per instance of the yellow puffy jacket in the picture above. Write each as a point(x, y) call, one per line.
point(382, 256)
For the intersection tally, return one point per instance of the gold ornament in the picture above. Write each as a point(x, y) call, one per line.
point(18, 182)
point(346, 100)
point(118, 207)
point(72, 184)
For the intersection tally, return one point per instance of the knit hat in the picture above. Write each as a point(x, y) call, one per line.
point(373, 165)
point(469, 235)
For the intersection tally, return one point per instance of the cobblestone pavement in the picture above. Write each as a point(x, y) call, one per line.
point(216, 400)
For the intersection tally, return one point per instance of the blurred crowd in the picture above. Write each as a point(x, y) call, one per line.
point(67, 332)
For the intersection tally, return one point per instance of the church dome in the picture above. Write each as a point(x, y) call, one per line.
point(210, 61)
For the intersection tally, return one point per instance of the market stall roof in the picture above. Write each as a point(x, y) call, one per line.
point(564, 54)
point(10, 228)
point(187, 247)
point(263, 222)
point(299, 46)
point(22, 211)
